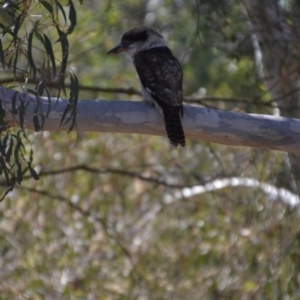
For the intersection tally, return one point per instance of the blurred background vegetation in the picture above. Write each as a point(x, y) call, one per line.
point(109, 217)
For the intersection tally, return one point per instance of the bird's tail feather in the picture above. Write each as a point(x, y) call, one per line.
point(173, 126)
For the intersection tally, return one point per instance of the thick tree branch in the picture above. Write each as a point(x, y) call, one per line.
point(228, 128)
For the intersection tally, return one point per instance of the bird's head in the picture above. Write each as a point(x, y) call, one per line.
point(137, 39)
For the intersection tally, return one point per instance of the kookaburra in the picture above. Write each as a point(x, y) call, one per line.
point(160, 74)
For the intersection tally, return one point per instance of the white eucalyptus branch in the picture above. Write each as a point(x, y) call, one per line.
point(201, 124)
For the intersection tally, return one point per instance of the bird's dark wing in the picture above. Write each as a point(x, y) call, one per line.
point(160, 74)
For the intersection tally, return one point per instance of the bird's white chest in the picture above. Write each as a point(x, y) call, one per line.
point(148, 98)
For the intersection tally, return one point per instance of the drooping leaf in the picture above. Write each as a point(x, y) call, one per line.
point(65, 53)
point(40, 87)
point(42, 120)
point(62, 10)
point(47, 5)
point(2, 115)
point(67, 109)
point(15, 61)
point(72, 103)
point(17, 23)
point(9, 149)
point(49, 101)
point(72, 13)
point(72, 17)
point(36, 30)
point(74, 88)
point(1, 165)
point(49, 51)
point(17, 159)
point(19, 173)
point(13, 103)
point(36, 124)
point(4, 143)
point(74, 99)
point(2, 55)
point(4, 169)
point(29, 53)
point(6, 30)
point(21, 114)
point(2, 147)
point(32, 171)
point(30, 156)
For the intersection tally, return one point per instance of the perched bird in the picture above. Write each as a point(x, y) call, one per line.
point(160, 74)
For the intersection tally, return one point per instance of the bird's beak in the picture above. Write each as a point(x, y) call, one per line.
point(117, 49)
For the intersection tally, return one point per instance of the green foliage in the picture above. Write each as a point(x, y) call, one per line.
point(13, 162)
point(28, 50)
point(110, 218)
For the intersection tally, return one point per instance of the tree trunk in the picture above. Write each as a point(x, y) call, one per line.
point(279, 45)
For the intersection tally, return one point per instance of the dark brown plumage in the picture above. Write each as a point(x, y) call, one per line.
point(160, 74)
point(173, 126)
